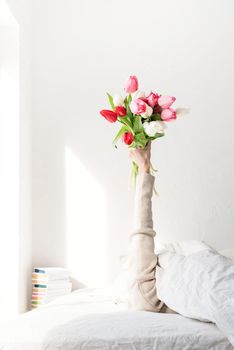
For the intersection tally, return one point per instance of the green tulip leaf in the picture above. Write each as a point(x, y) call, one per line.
point(129, 112)
point(127, 102)
point(141, 139)
point(156, 136)
point(129, 99)
point(159, 135)
point(137, 125)
point(122, 130)
point(126, 121)
point(110, 98)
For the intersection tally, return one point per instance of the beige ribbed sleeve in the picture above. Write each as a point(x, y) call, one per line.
point(142, 259)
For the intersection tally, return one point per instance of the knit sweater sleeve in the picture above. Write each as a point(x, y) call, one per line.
point(142, 259)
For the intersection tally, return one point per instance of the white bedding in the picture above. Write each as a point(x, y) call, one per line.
point(200, 286)
point(89, 319)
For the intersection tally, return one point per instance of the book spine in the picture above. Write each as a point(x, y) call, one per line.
point(39, 275)
point(39, 271)
point(40, 285)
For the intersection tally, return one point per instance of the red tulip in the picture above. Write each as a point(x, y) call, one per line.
point(121, 111)
point(128, 138)
point(109, 115)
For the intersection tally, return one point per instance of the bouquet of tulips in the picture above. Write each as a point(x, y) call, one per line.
point(142, 118)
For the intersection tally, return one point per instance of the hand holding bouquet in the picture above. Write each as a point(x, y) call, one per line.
point(143, 118)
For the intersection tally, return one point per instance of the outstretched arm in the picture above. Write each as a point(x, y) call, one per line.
point(144, 189)
point(143, 261)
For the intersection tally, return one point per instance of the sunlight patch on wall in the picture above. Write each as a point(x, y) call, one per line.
point(86, 229)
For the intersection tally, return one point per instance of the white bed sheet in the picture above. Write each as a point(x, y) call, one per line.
point(89, 319)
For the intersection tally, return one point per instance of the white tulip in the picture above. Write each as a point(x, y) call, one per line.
point(148, 112)
point(118, 100)
point(154, 127)
point(138, 94)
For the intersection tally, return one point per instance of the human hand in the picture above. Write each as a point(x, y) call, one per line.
point(141, 157)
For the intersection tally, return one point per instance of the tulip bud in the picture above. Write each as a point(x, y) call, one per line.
point(154, 127)
point(128, 138)
point(118, 100)
point(131, 84)
point(121, 111)
point(138, 106)
point(168, 114)
point(109, 115)
point(152, 99)
point(166, 101)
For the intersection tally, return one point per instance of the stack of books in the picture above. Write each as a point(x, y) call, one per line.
point(48, 284)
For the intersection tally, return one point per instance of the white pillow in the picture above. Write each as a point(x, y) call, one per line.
point(119, 287)
point(200, 286)
point(184, 247)
point(229, 253)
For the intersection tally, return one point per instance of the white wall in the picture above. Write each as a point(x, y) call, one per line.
point(22, 11)
point(9, 162)
point(83, 49)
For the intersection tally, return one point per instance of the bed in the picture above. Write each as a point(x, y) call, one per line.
point(90, 319)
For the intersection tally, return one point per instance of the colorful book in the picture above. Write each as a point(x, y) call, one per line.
point(52, 272)
point(49, 284)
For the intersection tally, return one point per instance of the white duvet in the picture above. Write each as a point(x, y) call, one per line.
point(89, 319)
point(199, 285)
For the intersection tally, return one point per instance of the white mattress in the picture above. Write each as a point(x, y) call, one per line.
point(89, 319)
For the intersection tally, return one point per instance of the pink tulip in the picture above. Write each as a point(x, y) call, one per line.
point(138, 106)
point(152, 99)
point(168, 114)
point(166, 101)
point(131, 85)
point(143, 99)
